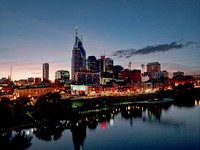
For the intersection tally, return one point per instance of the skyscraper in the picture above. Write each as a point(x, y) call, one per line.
point(152, 68)
point(109, 65)
point(45, 71)
point(101, 64)
point(78, 60)
point(92, 64)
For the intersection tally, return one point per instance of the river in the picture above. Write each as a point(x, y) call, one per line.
point(166, 127)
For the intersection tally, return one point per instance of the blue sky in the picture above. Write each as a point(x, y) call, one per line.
point(36, 31)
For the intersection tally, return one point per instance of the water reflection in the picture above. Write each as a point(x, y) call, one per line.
point(15, 140)
point(49, 131)
point(78, 124)
point(78, 130)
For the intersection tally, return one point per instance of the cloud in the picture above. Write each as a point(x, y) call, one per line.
point(151, 49)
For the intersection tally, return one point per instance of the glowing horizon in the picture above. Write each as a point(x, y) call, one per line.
point(35, 32)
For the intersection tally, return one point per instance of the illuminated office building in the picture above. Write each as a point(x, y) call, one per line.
point(45, 71)
point(78, 60)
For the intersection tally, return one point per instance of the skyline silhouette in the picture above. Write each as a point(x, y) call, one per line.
point(35, 32)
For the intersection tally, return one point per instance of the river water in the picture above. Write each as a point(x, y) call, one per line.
point(166, 127)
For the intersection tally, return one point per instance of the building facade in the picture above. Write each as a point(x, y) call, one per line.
point(131, 76)
point(109, 65)
point(101, 64)
point(86, 77)
point(45, 71)
point(78, 60)
point(117, 71)
point(178, 74)
point(153, 69)
point(62, 76)
point(92, 64)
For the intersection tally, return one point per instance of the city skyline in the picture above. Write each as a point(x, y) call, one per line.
point(35, 32)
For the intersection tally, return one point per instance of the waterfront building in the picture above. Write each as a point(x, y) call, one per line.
point(90, 90)
point(62, 76)
point(32, 92)
point(176, 81)
point(45, 71)
point(78, 60)
point(152, 69)
point(92, 64)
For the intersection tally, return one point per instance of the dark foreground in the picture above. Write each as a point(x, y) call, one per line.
point(164, 126)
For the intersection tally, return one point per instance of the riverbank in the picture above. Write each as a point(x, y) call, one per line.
point(51, 107)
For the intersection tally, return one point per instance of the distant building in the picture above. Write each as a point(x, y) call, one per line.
point(162, 74)
point(86, 77)
point(145, 76)
point(101, 64)
point(109, 65)
point(105, 77)
point(78, 60)
point(92, 64)
point(62, 76)
point(31, 80)
point(165, 74)
point(38, 80)
point(178, 74)
point(197, 79)
point(32, 92)
point(21, 82)
point(45, 71)
point(153, 68)
point(132, 76)
point(117, 71)
point(6, 86)
point(176, 81)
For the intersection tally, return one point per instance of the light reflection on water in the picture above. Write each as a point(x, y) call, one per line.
point(127, 127)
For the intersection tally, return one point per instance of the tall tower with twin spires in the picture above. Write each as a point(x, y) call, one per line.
point(78, 60)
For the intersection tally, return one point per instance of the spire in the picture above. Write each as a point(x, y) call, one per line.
point(76, 38)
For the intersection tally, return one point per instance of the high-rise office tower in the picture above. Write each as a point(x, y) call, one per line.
point(92, 64)
point(109, 65)
point(152, 69)
point(101, 64)
point(45, 71)
point(78, 60)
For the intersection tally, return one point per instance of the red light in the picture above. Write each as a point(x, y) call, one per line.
point(103, 125)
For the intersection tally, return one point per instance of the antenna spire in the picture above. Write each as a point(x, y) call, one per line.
point(76, 38)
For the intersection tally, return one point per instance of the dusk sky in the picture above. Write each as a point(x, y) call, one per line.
point(33, 32)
